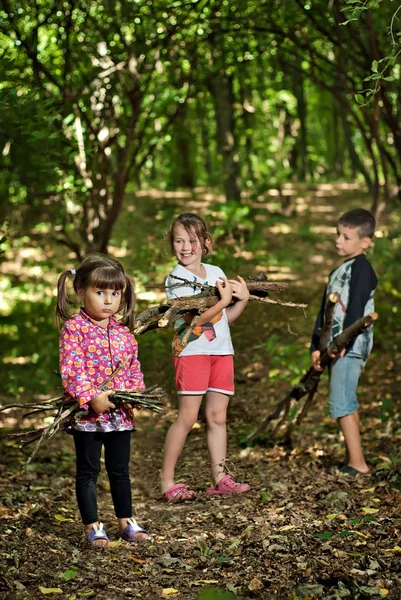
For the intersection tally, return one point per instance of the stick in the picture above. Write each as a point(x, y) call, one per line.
point(167, 313)
point(309, 382)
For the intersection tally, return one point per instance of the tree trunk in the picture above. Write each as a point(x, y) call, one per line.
point(185, 171)
point(205, 138)
point(220, 87)
point(303, 171)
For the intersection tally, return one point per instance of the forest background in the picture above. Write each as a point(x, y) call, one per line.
point(270, 119)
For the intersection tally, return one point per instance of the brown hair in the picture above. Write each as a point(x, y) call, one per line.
point(361, 219)
point(101, 271)
point(192, 223)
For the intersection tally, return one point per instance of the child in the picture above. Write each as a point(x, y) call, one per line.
point(355, 281)
point(204, 363)
point(98, 354)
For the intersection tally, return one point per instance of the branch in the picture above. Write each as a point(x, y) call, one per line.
point(309, 382)
point(168, 312)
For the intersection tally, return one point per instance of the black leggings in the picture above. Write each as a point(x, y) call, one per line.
point(88, 446)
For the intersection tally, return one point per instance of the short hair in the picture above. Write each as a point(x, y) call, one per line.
point(361, 219)
point(191, 223)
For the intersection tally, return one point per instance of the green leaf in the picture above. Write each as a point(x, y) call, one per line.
point(344, 533)
point(326, 535)
point(70, 574)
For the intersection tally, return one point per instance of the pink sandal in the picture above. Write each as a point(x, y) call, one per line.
point(179, 493)
point(228, 486)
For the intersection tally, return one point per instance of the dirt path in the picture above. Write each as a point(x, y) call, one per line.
point(303, 531)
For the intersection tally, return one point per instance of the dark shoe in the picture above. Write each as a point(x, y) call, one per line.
point(348, 470)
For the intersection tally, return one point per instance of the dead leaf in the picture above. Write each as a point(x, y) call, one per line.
point(255, 584)
point(136, 559)
point(170, 592)
point(50, 590)
point(63, 519)
point(114, 544)
point(367, 490)
point(369, 511)
point(233, 547)
point(395, 549)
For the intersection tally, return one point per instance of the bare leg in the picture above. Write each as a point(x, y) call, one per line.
point(346, 455)
point(176, 436)
point(350, 428)
point(216, 415)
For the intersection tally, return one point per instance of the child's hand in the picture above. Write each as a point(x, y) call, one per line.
point(225, 291)
point(315, 360)
point(340, 355)
point(129, 410)
point(101, 403)
point(239, 288)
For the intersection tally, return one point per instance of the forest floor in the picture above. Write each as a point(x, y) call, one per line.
point(303, 531)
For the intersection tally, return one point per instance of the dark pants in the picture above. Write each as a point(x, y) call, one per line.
point(88, 446)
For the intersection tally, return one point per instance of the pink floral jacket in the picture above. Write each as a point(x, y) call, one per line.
point(89, 354)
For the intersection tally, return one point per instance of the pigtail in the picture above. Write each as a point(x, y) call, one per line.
point(63, 299)
point(129, 302)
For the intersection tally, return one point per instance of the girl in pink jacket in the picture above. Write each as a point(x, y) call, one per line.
point(99, 354)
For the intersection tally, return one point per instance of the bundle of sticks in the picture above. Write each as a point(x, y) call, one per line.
point(63, 409)
point(168, 312)
point(308, 384)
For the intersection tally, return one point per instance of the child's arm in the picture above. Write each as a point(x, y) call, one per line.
point(318, 325)
point(135, 376)
point(226, 293)
point(363, 282)
point(75, 379)
point(241, 293)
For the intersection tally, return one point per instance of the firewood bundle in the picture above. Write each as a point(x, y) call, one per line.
point(308, 384)
point(167, 313)
point(63, 409)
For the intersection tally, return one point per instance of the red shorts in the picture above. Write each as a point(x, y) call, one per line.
point(199, 373)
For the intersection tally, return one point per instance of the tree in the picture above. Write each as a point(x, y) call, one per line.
point(110, 73)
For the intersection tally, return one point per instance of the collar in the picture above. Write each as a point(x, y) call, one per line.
point(113, 322)
point(357, 257)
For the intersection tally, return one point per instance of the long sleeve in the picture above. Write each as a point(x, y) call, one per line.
point(363, 282)
point(75, 373)
point(135, 375)
point(318, 325)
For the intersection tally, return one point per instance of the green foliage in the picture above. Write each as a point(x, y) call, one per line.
point(99, 99)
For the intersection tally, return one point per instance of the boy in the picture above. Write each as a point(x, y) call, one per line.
point(355, 281)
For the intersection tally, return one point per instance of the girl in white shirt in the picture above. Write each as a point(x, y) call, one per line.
point(203, 362)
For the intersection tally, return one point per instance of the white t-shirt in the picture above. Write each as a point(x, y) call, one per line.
point(222, 344)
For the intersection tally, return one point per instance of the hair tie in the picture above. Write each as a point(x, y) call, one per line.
point(73, 272)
